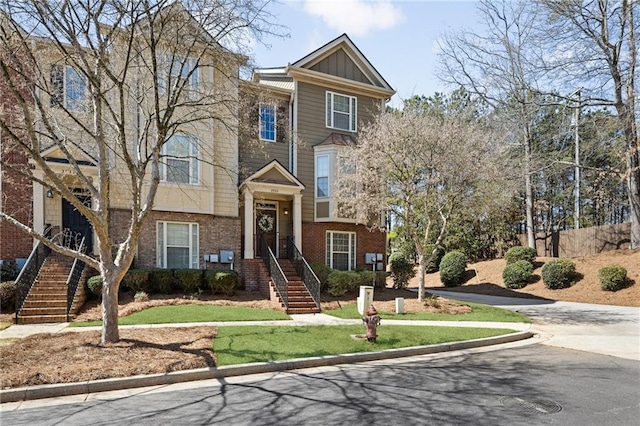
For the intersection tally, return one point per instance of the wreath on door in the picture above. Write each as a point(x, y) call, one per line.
point(265, 223)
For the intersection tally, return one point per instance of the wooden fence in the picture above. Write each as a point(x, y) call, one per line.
point(581, 242)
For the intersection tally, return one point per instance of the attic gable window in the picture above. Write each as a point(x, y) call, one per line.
point(267, 122)
point(342, 112)
point(68, 88)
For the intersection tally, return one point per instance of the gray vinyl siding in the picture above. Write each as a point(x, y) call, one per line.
point(339, 64)
point(255, 154)
point(312, 130)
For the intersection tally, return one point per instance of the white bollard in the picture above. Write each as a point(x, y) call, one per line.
point(399, 305)
point(365, 299)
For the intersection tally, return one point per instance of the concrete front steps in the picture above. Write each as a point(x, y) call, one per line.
point(47, 300)
point(300, 301)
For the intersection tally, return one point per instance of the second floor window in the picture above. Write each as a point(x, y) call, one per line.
point(68, 88)
point(174, 69)
point(267, 122)
point(180, 162)
point(342, 112)
point(322, 176)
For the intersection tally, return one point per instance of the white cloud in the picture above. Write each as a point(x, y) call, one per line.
point(356, 17)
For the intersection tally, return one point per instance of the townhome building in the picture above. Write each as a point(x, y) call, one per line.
point(254, 192)
point(305, 114)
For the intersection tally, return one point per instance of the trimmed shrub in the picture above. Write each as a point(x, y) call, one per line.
point(401, 270)
point(434, 264)
point(558, 273)
point(138, 280)
point(8, 271)
point(141, 296)
point(518, 274)
point(381, 279)
point(612, 278)
point(94, 284)
point(452, 268)
point(7, 294)
point(188, 280)
point(367, 278)
point(322, 271)
point(225, 282)
point(342, 282)
point(162, 280)
point(520, 253)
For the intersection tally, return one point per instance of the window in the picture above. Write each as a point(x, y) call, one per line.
point(173, 69)
point(341, 250)
point(68, 88)
point(341, 112)
point(267, 122)
point(178, 245)
point(322, 176)
point(180, 162)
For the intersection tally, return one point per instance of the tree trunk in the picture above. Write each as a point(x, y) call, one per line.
point(531, 238)
point(110, 332)
point(633, 182)
point(421, 268)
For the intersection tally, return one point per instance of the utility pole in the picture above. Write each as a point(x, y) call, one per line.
point(576, 137)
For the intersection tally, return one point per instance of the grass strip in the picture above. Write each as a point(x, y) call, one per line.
point(246, 344)
point(193, 313)
point(479, 313)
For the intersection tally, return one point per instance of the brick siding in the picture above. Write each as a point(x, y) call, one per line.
point(216, 233)
point(314, 241)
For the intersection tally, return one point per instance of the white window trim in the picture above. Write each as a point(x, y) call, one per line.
point(163, 248)
point(352, 250)
point(81, 104)
point(353, 111)
point(275, 122)
point(328, 156)
point(194, 178)
point(171, 70)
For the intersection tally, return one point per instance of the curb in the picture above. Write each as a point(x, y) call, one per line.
point(66, 389)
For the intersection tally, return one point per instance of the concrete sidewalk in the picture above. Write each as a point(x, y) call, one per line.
point(602, 329)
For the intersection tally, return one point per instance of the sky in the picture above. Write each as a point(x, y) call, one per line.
point(398, 37)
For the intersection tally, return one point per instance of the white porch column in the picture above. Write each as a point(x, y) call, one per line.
point(297, 220)
point(248, 224)
point(38, 209)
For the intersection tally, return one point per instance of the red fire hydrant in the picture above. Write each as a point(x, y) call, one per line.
point(372, 321)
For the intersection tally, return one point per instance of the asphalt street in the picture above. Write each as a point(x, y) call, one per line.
point(521, 384)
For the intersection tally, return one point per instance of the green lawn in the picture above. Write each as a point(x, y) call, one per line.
point(5, 324)
point(479, 313)
point(245, 344)
point(193, 313)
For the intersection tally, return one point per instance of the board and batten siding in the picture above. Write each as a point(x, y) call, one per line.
point(312, 130)
point(339, 64)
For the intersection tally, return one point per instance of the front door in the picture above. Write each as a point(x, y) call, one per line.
point(74, 223)
point(266, 227)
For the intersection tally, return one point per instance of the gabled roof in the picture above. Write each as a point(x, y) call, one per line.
point(262, 176)
point(345, 43)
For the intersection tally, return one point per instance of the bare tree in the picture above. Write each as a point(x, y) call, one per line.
point(496, 65)
point(593, 44)
point(109, 83)
point(420, 168)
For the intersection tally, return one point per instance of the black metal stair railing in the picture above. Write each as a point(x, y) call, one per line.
point(275, 272)
point(304, 271)
point(74, 277)
point(29, 272)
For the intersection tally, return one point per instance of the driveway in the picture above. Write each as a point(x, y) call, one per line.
point(601, 329)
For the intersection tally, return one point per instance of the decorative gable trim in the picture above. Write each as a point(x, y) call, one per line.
point(345, 43)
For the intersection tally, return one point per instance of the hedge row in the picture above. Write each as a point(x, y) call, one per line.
point(167, 281)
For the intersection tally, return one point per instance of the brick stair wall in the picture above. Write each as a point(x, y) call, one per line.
point(47, 300)
point(300, 301)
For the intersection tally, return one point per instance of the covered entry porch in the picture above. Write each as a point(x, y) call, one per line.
point(271, 203)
